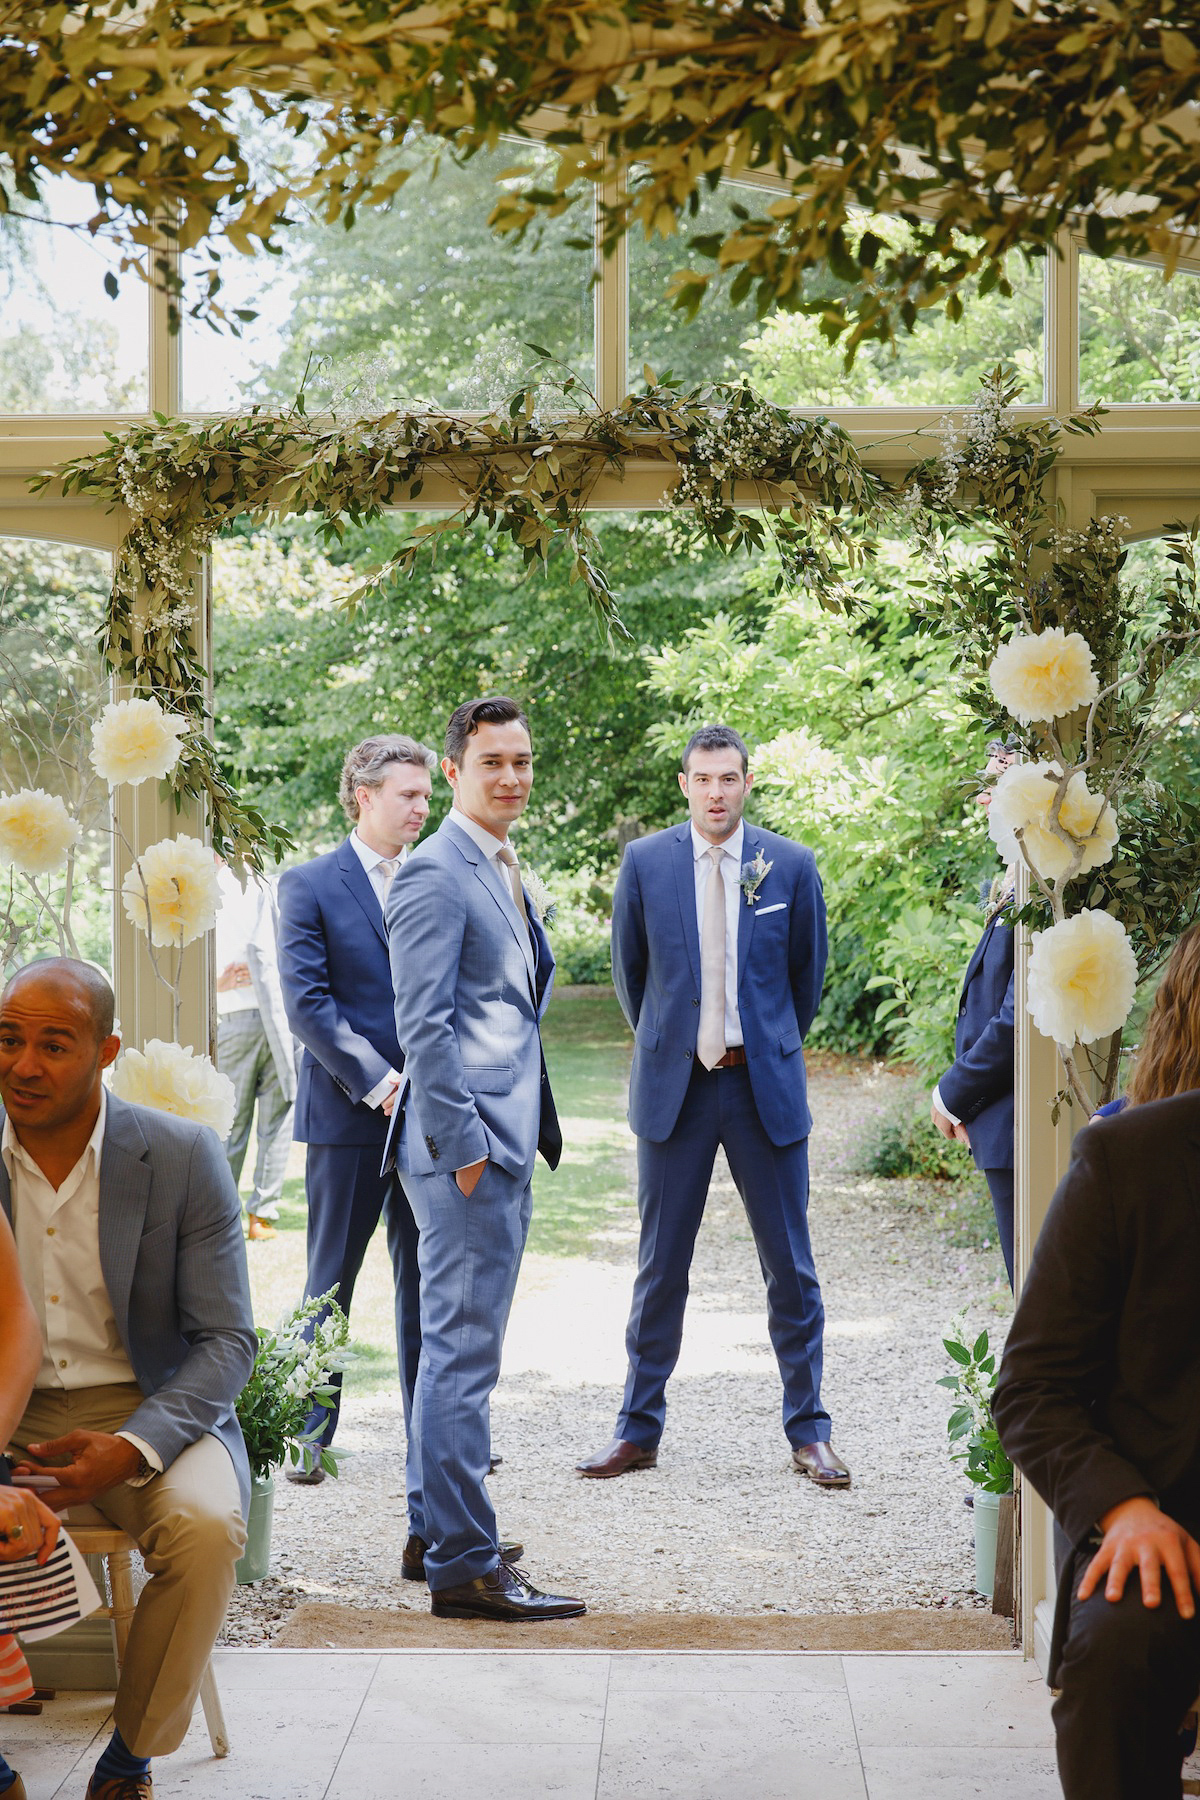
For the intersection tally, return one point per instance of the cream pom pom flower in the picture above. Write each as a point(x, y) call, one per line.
point(178, 878)
point(135, 740)
point(1023, 800)
point(36, 830)
point(174, 1079)
point(1044, 674)
point(1082, 976)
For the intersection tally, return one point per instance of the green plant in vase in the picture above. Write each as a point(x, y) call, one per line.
point(974, 1440)
point(292, 1375)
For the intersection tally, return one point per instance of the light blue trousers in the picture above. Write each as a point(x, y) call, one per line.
point(469, 1251)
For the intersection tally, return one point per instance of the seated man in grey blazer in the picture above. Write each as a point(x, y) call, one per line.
point(472, 970)
point(129, 1238)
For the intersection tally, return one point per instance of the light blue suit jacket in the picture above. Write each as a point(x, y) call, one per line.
point(471, 986)
point(174, 1264)
point(656, 968)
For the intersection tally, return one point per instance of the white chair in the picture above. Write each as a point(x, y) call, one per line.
point(117, 1547)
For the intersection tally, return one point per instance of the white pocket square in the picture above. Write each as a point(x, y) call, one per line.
point(779, 906)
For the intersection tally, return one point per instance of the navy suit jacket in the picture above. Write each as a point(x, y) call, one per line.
point(174, 1265)
point(471, 987)
point(656, 968)
point(337, 987)
point(978, 1087)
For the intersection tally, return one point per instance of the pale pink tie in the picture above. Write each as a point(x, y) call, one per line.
point(710, 1040)
point(387, 867)
point(507, 856)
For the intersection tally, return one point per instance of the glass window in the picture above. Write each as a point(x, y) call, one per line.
point(418, 304)
point(65, 345)
point(785, 355)
point(1139, 336)
point(51, 687)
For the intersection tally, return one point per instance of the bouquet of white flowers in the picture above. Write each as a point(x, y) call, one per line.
point(291, 1375)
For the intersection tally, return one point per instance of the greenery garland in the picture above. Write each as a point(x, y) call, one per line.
point(528, 473)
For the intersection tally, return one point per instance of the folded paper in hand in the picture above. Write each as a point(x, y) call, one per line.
point(36, 1602)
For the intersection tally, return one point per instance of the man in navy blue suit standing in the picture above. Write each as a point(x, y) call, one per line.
point(974, 1100)
point(718, 958)
point(337, 987)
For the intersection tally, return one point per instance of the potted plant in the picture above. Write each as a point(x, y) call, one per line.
point(291, 1376)
point(975, 1442)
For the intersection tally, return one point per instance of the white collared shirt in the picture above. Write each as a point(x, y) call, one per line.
point(58, 1247)
point(370, 860)
point(731, 871)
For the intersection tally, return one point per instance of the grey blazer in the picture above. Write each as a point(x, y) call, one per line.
point(471, 987)
point(174, 1264)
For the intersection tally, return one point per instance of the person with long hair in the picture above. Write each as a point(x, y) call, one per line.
point(1168, 1058)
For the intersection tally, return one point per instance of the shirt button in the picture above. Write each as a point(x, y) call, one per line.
point(49, 1231)
point(62, 1362)
point(54, 1299)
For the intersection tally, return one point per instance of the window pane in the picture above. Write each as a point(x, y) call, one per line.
point(51, 687)
point(786, 357)
point(1139, 336)
point(418, 304)
point(65, 346)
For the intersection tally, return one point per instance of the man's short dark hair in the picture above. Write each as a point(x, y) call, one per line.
point(716, 737)
point(465, 720)
point(97, 994)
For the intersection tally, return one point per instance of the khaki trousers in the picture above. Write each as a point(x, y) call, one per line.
point(189, 1529)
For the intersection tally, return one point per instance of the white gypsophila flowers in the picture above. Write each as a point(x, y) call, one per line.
point(36, 830)
point(172, 1078)
point(1043, 675)
point(134, 741)
point(171, 891)
point(1023, 799)
point(1082, 976)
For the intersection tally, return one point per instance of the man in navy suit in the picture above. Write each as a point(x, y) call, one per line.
point(337, 987)
point(473, 970)
point(974, 1100)
point(718, 957)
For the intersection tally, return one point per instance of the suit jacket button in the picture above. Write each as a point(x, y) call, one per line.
point(688, 1055)
point(696, 1001)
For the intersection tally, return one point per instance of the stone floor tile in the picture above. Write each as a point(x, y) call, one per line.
point(981, 1702)
point(486, 1699)
point(803, 1672)
point(728, 1746)
point(451, 1772)
point(925, 1774)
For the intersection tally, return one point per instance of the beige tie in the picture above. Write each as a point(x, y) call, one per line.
point(387, 867)
point(507, 856)
point(710, 1040)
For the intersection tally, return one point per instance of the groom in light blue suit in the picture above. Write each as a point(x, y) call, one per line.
point(718, 958)
point(472, 970)
point(128, 1230)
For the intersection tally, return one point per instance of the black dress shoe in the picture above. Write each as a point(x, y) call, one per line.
point(306, 1474)
point(618, 1458)
point(503, 1594)
point(412, 1562)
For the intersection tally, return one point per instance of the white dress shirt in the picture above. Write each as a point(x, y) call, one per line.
point(58, 1246)
point(370, 860)
point(731, 871)
point(236, 920)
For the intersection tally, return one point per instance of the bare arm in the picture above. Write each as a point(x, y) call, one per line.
point(20, 1338)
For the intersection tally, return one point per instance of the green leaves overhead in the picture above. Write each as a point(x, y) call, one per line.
point(987, 126)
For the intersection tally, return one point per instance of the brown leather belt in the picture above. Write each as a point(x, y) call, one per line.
point(732, 1059)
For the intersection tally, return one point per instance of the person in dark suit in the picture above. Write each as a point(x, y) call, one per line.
point(719, 949)
point(337, 988)
point(974, 1100)
point(473, 972)
point(1098, 1403)
point(128, 1233)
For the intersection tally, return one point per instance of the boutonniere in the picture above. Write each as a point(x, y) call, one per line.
point(544, 905)
point(753, 875)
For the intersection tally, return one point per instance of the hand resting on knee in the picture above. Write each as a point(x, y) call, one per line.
point(1139, 1535)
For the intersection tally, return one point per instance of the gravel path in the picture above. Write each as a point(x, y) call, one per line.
point(723, 1524)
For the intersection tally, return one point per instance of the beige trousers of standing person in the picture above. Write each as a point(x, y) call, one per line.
point(189, 1529)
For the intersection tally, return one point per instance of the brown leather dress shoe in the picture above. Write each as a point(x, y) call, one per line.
point(305, 1474)
point(412, 1562)
point(121, 1787)
point(503, 1594)
point(618, 1459)
point(16, 1789)
point(260, 1230)
point(821, 1464)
